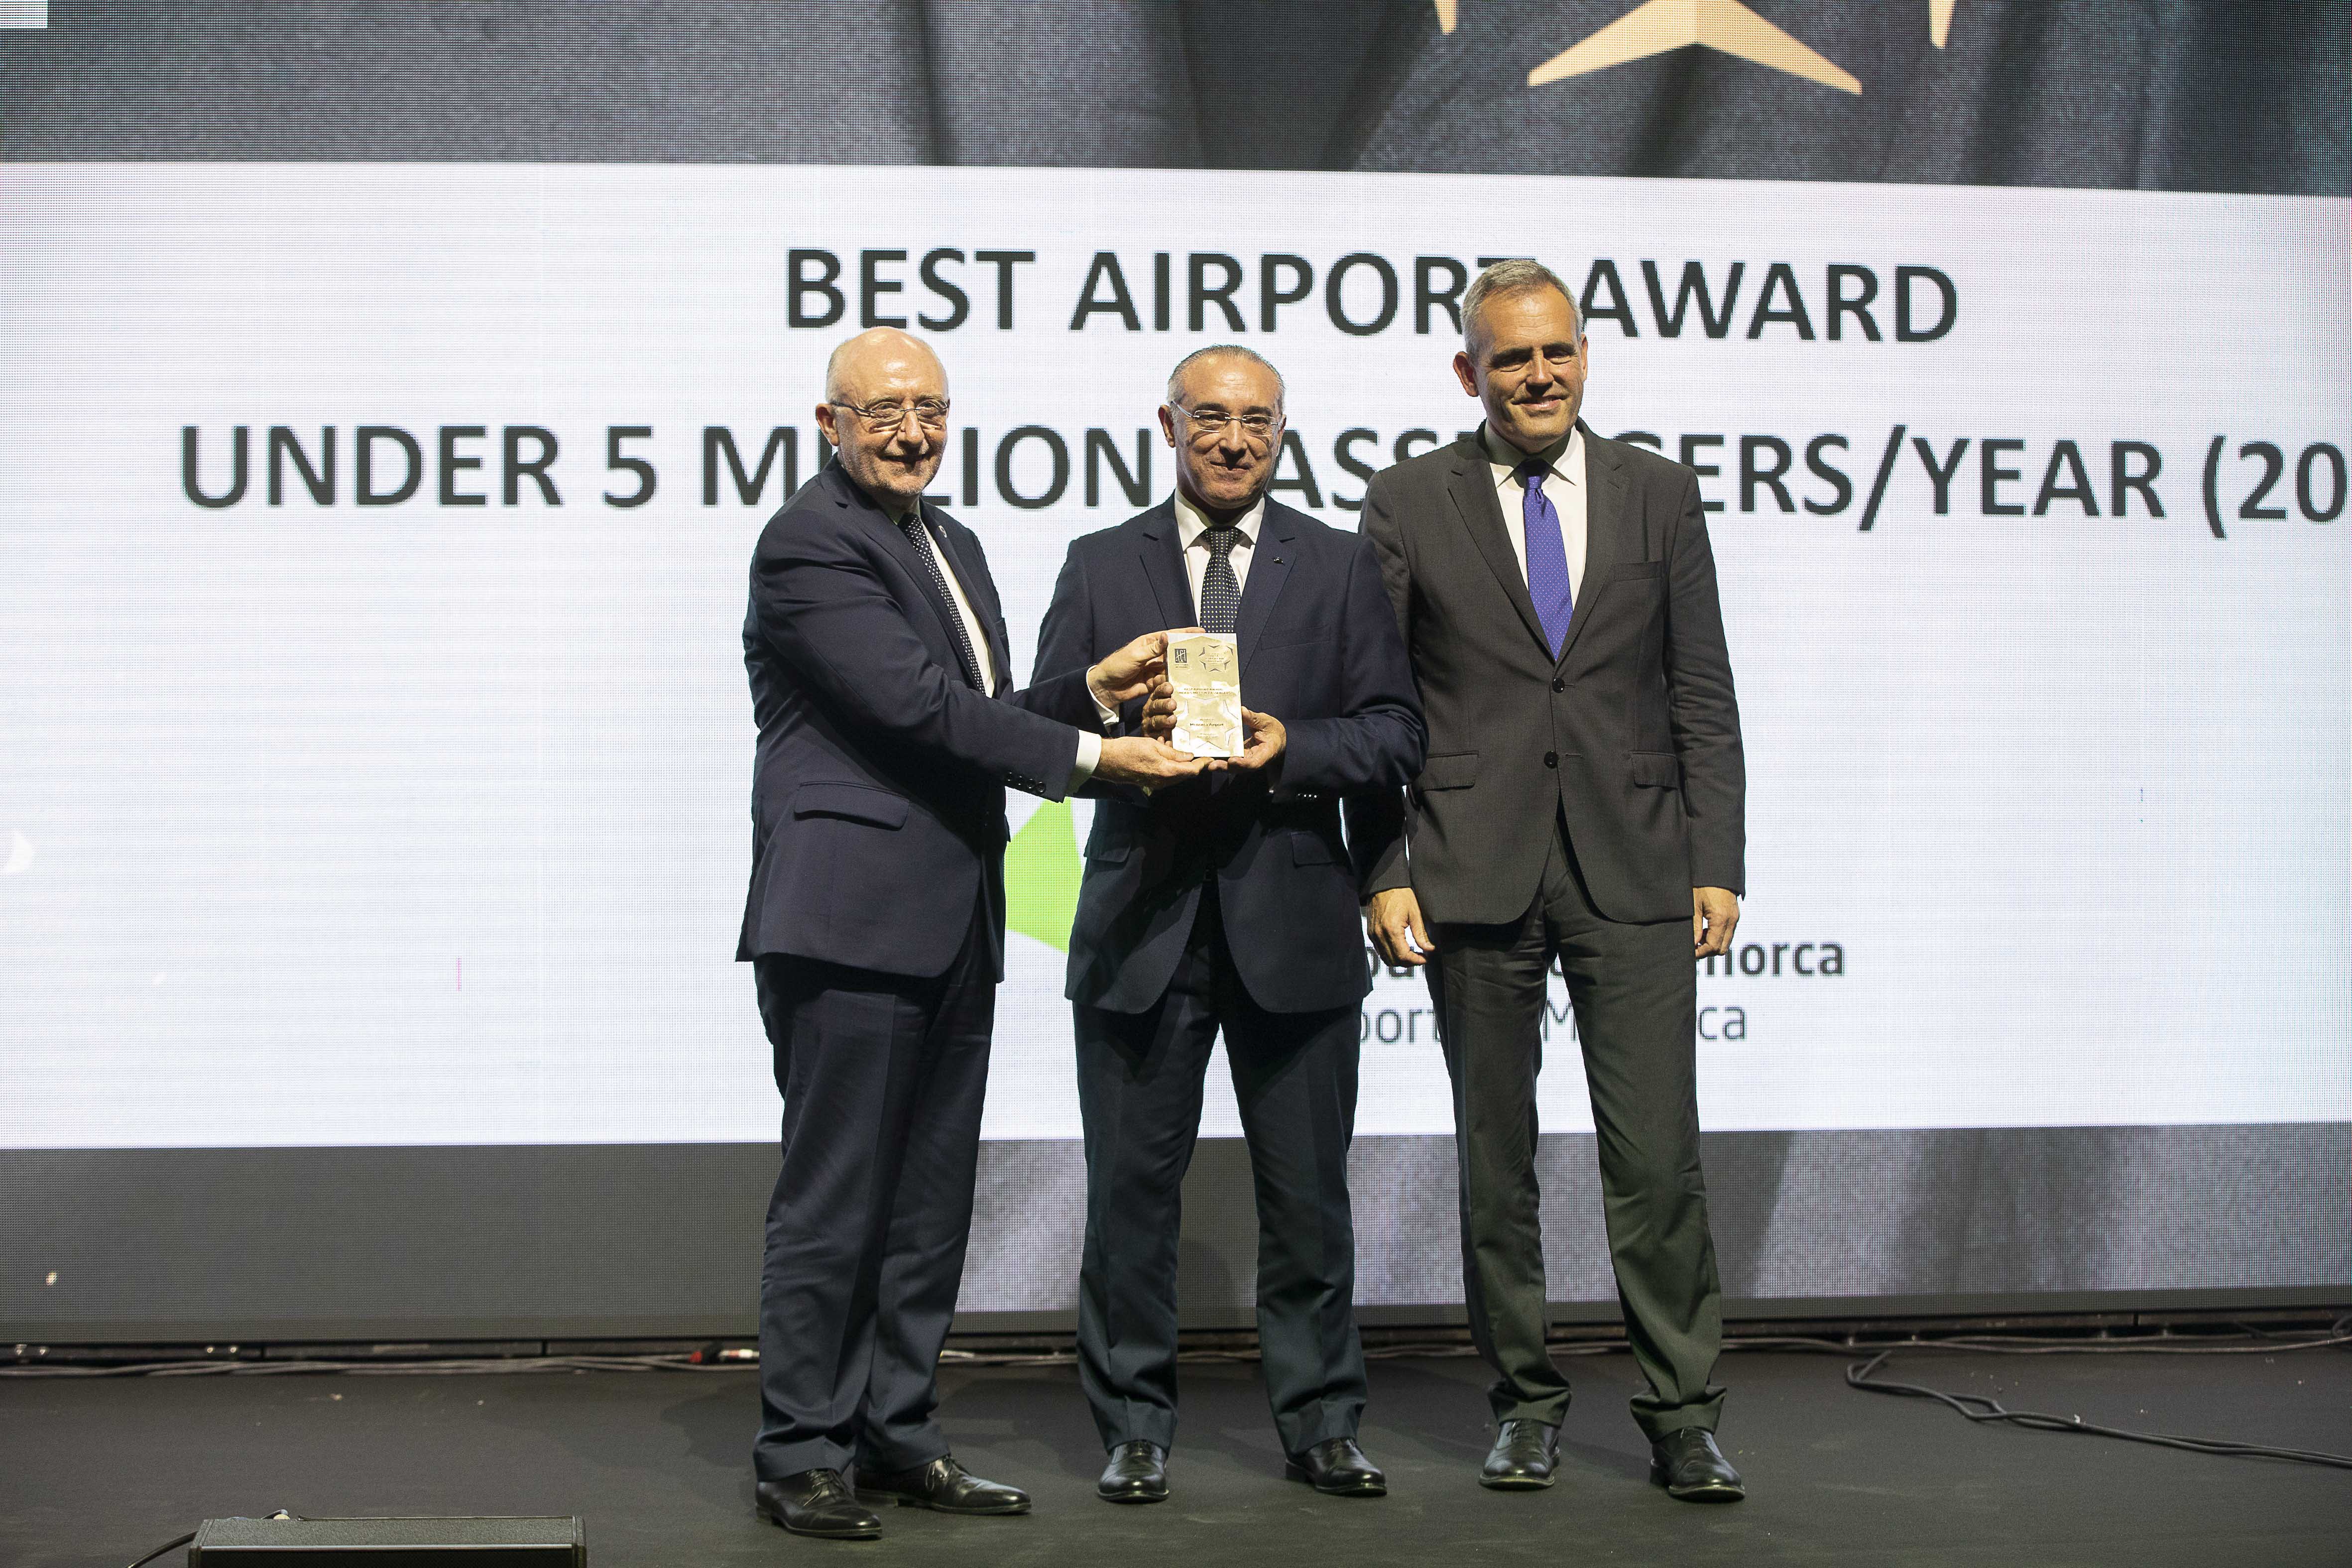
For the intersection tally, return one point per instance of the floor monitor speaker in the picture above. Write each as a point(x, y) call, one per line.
point(389, 1543)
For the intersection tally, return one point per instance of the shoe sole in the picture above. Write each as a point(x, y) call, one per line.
point(1515, 1483)
point(1711, 1492)
point(873, 1535)
point(903, 1500)
point(1130, 1496)
point(1297, 1474)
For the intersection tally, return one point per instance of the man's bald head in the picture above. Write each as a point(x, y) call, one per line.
point(866, 378)
point(883, 353)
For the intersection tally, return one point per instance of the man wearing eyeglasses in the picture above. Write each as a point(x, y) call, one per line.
point(1582, 805)
point(1228, 903)
point(876, 925)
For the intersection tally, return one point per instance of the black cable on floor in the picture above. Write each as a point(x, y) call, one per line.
point(1977, 1408)
point(2244, 1340)
point(167, 1546)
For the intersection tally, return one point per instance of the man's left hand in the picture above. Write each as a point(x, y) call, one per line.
point(1160, 710)
point(1266, 739)
point(1714, 914)
point(1130, 672)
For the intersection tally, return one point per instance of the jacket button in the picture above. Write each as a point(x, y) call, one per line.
point(1551, 758)
point(1558, 685)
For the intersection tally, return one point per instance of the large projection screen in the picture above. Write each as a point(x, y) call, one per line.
point(375, 746)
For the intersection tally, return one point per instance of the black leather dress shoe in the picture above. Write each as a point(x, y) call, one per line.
point(818, 1503)
point(945, 1486)
point(1691, 1468)
point(1138, 1472)
point(1522, 1458)
point(1339, 1469)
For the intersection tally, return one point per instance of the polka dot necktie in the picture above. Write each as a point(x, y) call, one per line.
point(920, 538)
point(1548, 580)
point(1221, 591)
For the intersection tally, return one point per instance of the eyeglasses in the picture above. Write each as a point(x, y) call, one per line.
point(930, 413)
point(1208, 424)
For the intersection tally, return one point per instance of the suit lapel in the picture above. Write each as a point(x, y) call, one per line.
point(1604, 518)
point(1162, 559)
point(1476, 503)
point(1271, 559)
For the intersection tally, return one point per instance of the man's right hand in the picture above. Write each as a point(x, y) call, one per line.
point(1390, 917)
point(1148, 763)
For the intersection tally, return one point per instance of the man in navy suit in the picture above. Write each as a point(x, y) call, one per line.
point(1229, 902)
point(887, 734)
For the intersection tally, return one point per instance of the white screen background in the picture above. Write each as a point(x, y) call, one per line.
point(428, 825)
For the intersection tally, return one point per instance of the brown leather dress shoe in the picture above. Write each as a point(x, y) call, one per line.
point(1522, 1458)
point(1138, 1472)
point(1693, 1469)
point(944, 1487)
point(1339, 1469)
point(816, 1502)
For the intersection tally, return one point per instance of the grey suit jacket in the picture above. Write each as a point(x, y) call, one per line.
point(1631, 735)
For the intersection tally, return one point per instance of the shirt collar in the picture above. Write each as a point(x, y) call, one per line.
point(1191, 523)
point(1566, 459)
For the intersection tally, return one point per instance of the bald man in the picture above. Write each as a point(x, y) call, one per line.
point(888, 733)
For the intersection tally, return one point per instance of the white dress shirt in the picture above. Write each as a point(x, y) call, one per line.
point(1192, 523)
point(1564, 487)
point(1089, 745)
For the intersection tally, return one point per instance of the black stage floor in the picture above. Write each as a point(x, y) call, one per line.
point(95, 1472)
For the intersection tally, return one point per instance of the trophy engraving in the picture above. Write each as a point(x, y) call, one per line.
point(1205, 670)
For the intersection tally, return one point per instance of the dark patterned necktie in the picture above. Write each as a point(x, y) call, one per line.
point(1547, 579)
point(1221, 591)
point(920, 538)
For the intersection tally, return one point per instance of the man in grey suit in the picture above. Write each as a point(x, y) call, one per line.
point(1582, 798)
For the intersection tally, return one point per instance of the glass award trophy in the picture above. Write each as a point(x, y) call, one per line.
point(1205, 669)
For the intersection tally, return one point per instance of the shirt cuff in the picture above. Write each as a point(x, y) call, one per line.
point(1107, 716)
point(1089, 755)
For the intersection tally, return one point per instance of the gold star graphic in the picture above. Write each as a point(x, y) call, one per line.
point(1660, 26)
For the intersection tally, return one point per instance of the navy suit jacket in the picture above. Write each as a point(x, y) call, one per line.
point(1321, 652)
point(877, 798)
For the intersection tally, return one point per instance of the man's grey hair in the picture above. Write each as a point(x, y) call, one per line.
point(1516, 276)
point(1176, 376)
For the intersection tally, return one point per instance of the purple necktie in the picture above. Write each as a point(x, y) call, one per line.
point(1548, 580)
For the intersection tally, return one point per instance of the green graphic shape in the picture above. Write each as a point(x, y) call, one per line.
point(1041, 876)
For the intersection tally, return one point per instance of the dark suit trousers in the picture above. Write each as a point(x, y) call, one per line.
point(1634, 990)
point(883, 1079)
point(1139, 1079)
